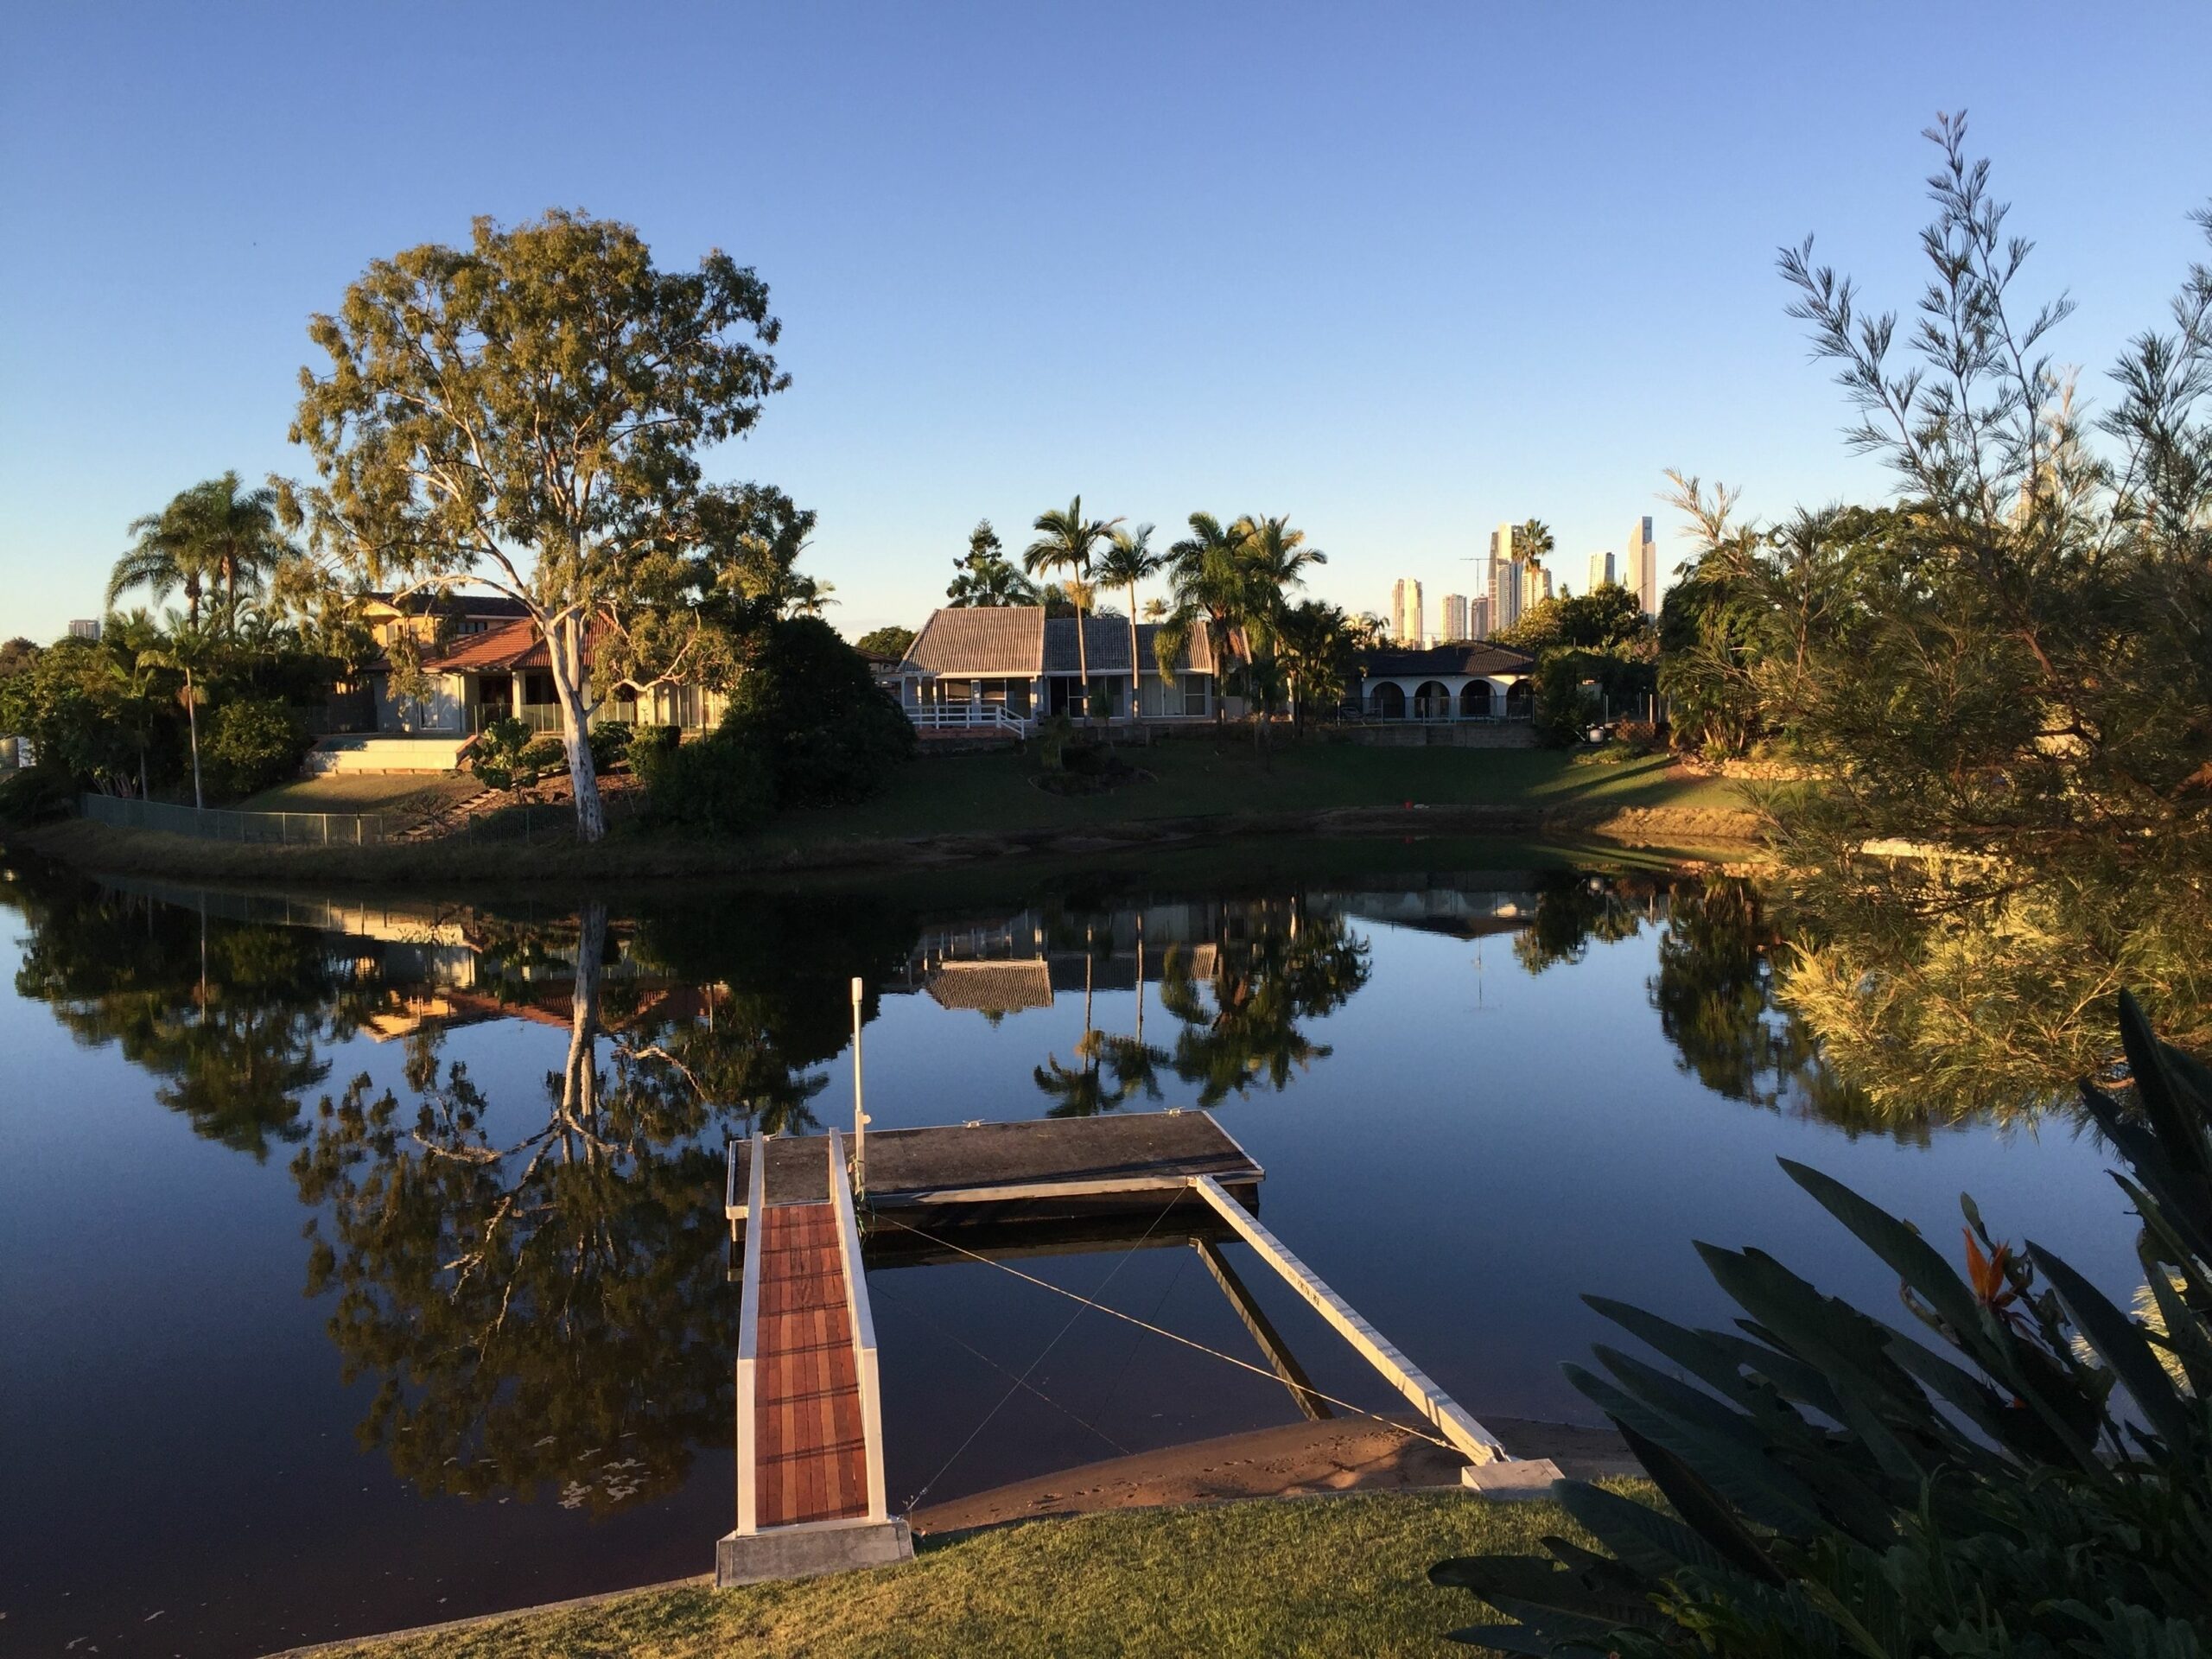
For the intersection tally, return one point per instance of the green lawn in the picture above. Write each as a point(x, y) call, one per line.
point(984, 793)
point(364, 792)
point(1333, 1576)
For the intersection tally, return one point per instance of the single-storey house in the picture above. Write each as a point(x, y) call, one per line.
point(1481, 680)
point(985, 664)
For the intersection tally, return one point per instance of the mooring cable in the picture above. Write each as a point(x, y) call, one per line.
point(1120, 1262)
point(955, 1338)
point(1158, 1331)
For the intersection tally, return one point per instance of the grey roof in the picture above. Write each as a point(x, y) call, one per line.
point(1481, 657)
point(1106, 642)
point(992, 987)
point(1018, 639)
point(981, 639)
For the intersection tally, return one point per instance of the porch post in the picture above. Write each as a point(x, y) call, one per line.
point(515, 679)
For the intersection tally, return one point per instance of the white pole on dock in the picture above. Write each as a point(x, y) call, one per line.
point(860, 1109)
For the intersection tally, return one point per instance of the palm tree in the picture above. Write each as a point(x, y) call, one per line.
point(1067, 541)
point(212, 535)
point(1274, 558)
point(166, 557)
point(1207, 574)
point(186, 647)
point(1127, 560)
point(1533, 542)
point(1314, 641)
point(242, 540)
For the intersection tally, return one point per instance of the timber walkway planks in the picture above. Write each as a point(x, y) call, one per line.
point(811, 1448)
point(810, 1404)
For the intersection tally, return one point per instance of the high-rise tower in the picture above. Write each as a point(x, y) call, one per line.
point(1643, 564)
point(1405, 611)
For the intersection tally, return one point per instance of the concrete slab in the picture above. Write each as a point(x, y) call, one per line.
point(805, 1552)
point(1515, 1480)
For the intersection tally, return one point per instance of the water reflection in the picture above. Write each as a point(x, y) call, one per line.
point(536, 1285)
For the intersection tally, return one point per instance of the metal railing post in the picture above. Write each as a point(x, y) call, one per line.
point(859, 1106)
point(748, 1342)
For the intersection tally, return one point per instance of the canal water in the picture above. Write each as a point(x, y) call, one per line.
point(362, 1263)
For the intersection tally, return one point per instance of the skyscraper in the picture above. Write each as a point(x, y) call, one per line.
point(1601, 571)
point(87, 628)
point(1455, 618)
point(1643, 561)
point(1504, 579)
point(1405, 611)
point(1479, 617)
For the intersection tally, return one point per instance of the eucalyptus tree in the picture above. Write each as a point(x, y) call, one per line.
point(985, 578)
point(1128, 559)
point(1067, 541)
point(526, 412)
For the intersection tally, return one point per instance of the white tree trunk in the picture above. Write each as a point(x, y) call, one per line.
point(565, 651)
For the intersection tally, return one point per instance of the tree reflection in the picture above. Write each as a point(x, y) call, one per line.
point(1953, 990)
point(229, 1017)
point(542, 1301)
point(1714, 992)
point(1269, 966)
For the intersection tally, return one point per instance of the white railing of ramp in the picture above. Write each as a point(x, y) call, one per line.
point(865, 1360)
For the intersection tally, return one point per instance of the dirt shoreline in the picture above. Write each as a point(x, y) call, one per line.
point(1698, 834)
point(1304, 1459)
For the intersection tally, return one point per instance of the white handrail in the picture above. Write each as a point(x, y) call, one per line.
point(865, 1360)
point(749, 1341)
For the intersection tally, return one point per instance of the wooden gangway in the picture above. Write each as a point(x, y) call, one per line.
point(810, 1393)
point(809, 1408)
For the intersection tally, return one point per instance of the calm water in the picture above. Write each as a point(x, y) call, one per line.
point(345, 1286)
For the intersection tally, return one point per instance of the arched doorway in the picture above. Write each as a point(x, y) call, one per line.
point(1519, 699)
point(1474, 700)
point(1386, 701)
point(1432, 702)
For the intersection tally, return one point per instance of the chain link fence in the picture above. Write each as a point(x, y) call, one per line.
point(225, 823)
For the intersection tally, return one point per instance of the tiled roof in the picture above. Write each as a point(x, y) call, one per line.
point(1481, 657)
point(1018, 639)
point(488, 607)
point(511, 645)
point(980, 639)
point(992, 987)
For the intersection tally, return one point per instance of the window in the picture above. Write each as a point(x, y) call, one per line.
point(1194, 694)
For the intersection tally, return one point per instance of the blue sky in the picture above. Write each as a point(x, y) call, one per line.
point(1400, 272)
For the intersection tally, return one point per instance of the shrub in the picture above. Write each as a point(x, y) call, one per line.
point(718, 784)
point(252, 745)
point(610, 745)
point(37, 794)
point(500, 756)
point(1844, 1489)
point(807, 705)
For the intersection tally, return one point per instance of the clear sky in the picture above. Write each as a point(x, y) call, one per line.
point(1400, 272)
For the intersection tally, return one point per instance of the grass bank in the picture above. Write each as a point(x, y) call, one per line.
point(953, 809)
point(1324, 1576)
